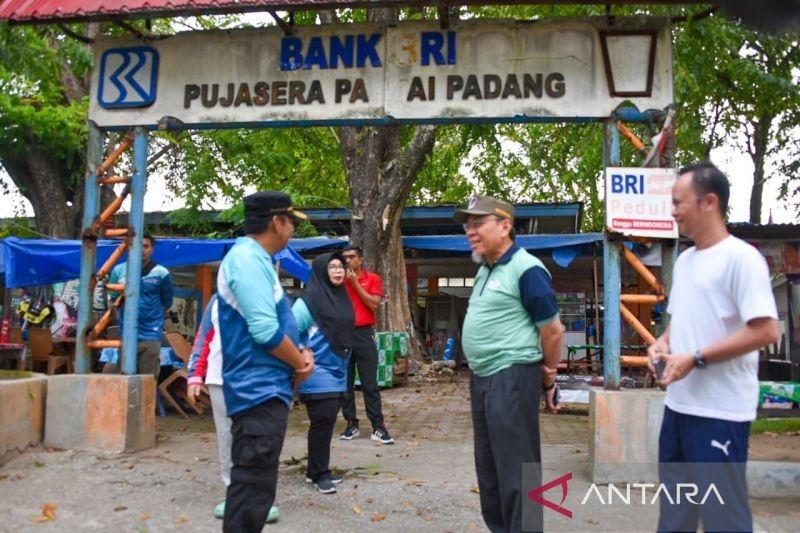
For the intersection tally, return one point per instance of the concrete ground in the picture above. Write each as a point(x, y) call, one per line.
point(425, 482)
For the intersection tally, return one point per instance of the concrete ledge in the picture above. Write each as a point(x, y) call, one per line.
point(101, 412)
point(623, 428)
point(22, 408)
point(773, 479)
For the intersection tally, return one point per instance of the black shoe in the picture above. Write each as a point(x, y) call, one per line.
point(379, 434)
point(334, 479)
point(350, 432)
point(325, 486)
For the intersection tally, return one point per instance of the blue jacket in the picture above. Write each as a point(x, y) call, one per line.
point(254, 316)
point(330, 369)
point(154, 298)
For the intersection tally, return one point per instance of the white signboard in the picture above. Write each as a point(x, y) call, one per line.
point(639, 202)
point(415, 72)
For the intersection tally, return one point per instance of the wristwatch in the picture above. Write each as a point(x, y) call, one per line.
point(699, 360)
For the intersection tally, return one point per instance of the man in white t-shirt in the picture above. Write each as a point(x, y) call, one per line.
point(721, 312)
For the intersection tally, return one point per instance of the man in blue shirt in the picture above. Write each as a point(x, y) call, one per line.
point(260, 358)
point(155, 301)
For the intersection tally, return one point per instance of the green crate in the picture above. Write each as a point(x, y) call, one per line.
point(401, 344)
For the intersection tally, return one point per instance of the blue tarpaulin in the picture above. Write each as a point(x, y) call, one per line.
point(459, 243)
point(31, 262)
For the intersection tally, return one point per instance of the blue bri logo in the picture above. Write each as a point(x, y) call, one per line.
point(128, 77)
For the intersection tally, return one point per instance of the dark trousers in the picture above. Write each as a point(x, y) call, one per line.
point(257, 442)
point(322, 415)
point(701, 451)
point(505, 422)
point(365, 356)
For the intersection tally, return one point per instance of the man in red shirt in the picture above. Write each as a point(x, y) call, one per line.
point(365, 290)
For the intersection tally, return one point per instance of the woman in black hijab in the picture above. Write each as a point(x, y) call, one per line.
point(325, 319)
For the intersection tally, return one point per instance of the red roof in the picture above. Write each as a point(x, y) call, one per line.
point(73, 10)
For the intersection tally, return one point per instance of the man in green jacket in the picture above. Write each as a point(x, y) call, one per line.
point(512, 339)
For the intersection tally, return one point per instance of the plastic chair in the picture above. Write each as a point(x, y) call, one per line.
point(182, 350)
point(42, 351)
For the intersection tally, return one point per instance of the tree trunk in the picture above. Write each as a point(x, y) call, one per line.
point(381, 173)
point(46, 187)
point(759, 143)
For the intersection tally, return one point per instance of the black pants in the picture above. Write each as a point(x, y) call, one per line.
point(257, 442)
point(365, 356)
point(322, 415)
point(505, 421)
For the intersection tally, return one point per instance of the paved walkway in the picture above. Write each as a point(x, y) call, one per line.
point(426, 482)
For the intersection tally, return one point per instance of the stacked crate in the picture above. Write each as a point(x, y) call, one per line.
point(392, 358)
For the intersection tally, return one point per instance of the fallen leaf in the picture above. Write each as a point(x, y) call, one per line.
point(415, 482)
point(144, 517)
point(49, 511)
point(119, 508)
point(412, 443)
point(357, 509)
point(379, 517)
point(475, 490)
point(178, 520)
point(369, 500)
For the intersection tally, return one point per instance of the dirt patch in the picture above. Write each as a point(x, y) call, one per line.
point(770, 446)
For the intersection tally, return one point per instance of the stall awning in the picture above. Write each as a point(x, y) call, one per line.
point(32, 262)
point(459, 243)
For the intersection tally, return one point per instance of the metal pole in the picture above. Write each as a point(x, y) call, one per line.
point(128, 361)
point(612, 331)
point(91, 207)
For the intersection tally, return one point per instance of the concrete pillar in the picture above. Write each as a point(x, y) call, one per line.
point(624, 427)
point(22, 402)
point(101, 412)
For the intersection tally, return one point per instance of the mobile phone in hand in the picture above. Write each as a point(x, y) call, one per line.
point(555, 396)
point(660, 365)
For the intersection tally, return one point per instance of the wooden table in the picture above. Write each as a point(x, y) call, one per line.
point(14, 350)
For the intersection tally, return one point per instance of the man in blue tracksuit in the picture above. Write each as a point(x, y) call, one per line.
point(155, 301)
point(260, 358)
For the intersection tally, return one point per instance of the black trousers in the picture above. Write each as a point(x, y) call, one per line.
point(365, 356)
point(322, 415)
point(505, 421)
point(257, 442)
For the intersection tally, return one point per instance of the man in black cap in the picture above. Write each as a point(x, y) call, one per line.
point(512, 339)
point(260, 358)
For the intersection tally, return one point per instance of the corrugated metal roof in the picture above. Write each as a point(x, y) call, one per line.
point(73, 10)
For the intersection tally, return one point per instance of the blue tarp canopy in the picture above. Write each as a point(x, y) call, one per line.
point(31, 262)
point(459, 243)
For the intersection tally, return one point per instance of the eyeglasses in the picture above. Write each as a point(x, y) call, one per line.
point(335, 267)
point(477, 223)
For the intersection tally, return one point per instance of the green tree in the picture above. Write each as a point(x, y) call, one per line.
point(43, 87)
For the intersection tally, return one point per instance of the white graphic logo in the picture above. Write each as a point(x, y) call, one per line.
point(128, 77)
point(472, 202)
point(724, 447)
